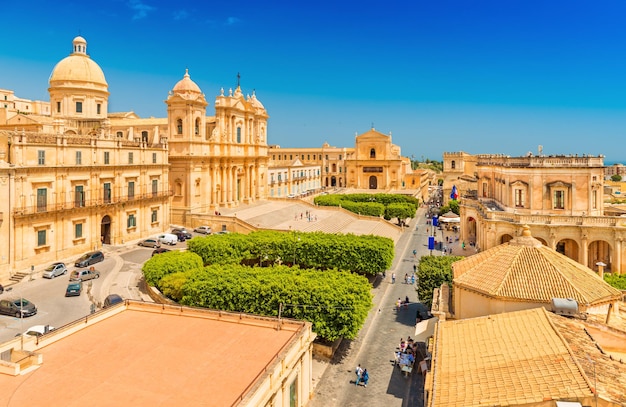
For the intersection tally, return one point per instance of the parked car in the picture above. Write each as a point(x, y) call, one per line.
point(184, 231)
point(205, 230)
point(90, 258)
point(181, 236)
point(111, 300)
point(160, 250)
point(222, 232)
point(168, 238)
point(17, 307)
point(74, 288)
point(55, 270)
point(150, 243)
point(37, 330)
point(84, 275)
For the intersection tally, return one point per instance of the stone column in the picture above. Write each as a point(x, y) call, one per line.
point(585, 251)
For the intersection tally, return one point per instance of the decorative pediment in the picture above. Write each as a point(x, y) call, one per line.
point(559, 184)
point(519, 183)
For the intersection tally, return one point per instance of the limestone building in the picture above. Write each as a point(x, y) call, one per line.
point(374, 163)
point(76, 176)
point(523, 274)
point(70, 183)
point(559, 197)
point(199, 357)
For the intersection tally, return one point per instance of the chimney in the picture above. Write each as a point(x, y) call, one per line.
point(601, 267)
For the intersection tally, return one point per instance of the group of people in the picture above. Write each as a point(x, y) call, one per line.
point(405, 353)
point(362, 376)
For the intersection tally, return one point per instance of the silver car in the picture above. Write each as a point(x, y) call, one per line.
point(55, 270)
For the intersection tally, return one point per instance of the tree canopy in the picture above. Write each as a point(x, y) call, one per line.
point(432, 272)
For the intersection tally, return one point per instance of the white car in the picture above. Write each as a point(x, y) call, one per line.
point(38, 330)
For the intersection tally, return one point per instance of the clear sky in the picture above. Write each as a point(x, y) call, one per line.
point(502, 76)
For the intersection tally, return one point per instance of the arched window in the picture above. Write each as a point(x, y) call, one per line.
point(197, 129)
point(372, 153)
point(179, 126)
point(144, 136)
point(238, 134)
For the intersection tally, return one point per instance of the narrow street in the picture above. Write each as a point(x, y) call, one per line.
point(374, 348)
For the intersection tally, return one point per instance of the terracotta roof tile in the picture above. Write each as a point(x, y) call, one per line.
point(531, 273)
point(514, 358)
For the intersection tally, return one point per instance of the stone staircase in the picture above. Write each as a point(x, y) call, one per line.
point(19, 276)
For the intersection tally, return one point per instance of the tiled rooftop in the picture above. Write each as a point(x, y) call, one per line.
point(528, 271)
point(587, 343)
point(510, 359)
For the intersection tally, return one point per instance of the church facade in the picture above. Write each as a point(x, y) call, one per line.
point(76, 177)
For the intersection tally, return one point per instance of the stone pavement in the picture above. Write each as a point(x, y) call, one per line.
point(375, 345)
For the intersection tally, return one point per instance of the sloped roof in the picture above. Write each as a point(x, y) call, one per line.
point(525, 270)
point(608, 374)
point(509, 359)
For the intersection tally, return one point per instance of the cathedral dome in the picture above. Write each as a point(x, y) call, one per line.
point(186, 85)
point(78, 67)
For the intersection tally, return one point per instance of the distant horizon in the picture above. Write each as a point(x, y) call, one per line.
point(485, 78)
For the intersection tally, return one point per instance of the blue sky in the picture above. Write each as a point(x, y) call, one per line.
point(478, 76)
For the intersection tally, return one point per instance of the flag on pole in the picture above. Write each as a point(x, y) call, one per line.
point(455, 194)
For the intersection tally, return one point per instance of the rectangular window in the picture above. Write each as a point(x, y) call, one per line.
point(78, 230)
point(302, 157)
point(308, 156)
point(155, 187)
point(79, 107)
point(327, 170)
point(58, 107)
point(42, 199)
point(41, 157)
point(98, 107)
point(238, 134)
point(132, 221)
point(327, 156)
point(155, 216)
point(79, 157)
point(519, 198)
point(130, 158)
point(291, 156)
point(107, 192)
point(154, 158)
point(79, 196)
point(339, 169)
point(273, 156)
point(106, 157)
point(131, 190)
point(339, 157)
point(41, 237)
point(559, 199)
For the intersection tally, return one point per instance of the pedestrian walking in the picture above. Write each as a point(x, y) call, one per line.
point(406, 278)
point(366, 377)
point(398, 303)
point(359, 372)
point(393, 278)
point(406, 302)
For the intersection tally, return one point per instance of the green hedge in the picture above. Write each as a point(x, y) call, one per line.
point(335, 302)
point(387, 205)
point(365, 254)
